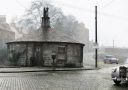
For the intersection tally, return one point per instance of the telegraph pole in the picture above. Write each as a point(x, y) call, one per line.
point(113, 43)
point(96, 41)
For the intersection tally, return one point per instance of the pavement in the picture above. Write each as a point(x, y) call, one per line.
point(11, 69)
point(56, 80)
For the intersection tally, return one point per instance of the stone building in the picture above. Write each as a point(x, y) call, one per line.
point(6, 34)
point(48, 47)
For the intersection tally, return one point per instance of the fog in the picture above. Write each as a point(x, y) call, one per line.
point(112, 16)
point(76, 22)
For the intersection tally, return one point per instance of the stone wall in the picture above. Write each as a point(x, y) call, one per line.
point(40, 54)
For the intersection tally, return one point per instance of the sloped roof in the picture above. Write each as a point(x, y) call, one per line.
point(56, 35)
point(53, 35)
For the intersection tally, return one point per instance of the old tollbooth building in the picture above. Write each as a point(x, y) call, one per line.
point(47, 48)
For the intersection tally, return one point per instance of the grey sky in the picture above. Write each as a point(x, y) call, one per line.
point(112, 16)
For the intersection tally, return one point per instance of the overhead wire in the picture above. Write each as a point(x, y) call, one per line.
point(87, 10)
point(109, 3)
point(92, 11)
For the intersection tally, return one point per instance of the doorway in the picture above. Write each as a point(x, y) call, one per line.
point(61, 56)
point(38, 56)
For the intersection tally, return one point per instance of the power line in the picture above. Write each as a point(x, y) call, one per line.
point(107, 4)
point(87, 10)
point(75, 7)
point(92, 11)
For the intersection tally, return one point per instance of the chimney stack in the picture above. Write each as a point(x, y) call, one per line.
point(45, 25)
point(45, 19)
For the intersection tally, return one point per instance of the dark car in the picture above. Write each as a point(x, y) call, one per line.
point(120, 74)
point(110, 59)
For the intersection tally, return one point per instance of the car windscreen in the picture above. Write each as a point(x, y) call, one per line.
point(109, 56)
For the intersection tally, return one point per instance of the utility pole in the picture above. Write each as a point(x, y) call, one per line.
point(113, 43)
point(96, 41)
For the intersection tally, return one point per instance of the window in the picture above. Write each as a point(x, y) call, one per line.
point(61, 50)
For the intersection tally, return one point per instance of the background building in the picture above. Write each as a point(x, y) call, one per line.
point(6, 34)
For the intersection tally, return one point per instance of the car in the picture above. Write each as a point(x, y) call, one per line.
point(110, 59)
point(120, 74)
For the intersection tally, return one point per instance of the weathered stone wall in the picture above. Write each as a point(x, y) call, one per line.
point(17, 54)
point(74, 54)
point(31, 54)
point(47, 54)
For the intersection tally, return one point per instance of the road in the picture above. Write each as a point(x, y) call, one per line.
point(62, 80)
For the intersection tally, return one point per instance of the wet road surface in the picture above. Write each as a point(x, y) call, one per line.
point(65, 80)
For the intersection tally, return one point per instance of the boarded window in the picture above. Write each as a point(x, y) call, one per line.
point(61, 54)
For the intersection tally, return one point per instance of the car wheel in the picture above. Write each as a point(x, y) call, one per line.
point(117, 82)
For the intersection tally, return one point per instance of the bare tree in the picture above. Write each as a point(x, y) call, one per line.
point(32, 19)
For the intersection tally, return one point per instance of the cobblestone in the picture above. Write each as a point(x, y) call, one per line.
point(65, 80)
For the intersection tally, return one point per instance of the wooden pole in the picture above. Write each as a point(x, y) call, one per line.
point(96, 41)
